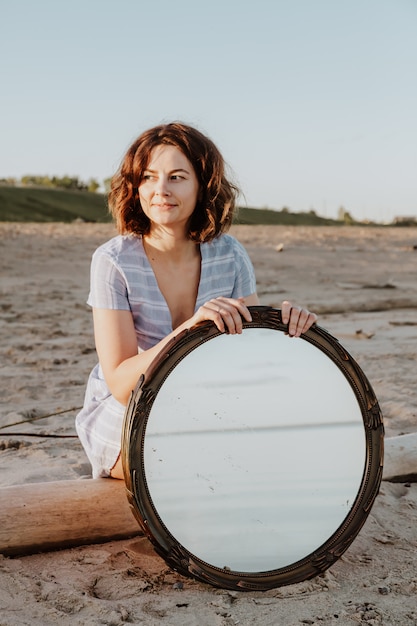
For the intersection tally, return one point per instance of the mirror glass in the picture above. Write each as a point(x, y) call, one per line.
point(241, 455)
point(253, 460)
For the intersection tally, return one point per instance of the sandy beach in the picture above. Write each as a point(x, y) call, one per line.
point(362, 283)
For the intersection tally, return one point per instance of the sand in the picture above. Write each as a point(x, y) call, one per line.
point(362, 283)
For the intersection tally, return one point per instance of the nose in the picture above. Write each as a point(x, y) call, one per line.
point(161, 187)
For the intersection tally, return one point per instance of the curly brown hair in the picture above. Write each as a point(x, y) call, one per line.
point(217, 196)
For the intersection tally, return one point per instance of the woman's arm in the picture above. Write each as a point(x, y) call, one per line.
point(117, 348)
point(116, 341)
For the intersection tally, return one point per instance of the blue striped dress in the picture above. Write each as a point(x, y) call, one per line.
point(122, 278)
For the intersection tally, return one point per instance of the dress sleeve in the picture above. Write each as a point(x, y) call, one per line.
point(108, 286)
point(245, 283)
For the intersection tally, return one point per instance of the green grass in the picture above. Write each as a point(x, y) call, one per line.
point(247, 215)
point(27, 204)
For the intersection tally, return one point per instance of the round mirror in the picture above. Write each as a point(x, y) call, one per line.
point(252, 461)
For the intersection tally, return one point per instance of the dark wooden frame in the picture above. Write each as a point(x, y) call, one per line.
point(178, 557)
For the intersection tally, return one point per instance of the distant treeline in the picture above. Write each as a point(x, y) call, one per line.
point(53, 182)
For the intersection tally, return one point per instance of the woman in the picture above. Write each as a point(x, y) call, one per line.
point(171, 266)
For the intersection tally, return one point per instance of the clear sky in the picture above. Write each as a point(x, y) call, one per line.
point(313, 103)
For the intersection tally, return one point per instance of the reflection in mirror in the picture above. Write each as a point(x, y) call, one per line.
point(246, 454)
point(233, 427)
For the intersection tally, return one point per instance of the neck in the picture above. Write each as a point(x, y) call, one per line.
point(168, 245)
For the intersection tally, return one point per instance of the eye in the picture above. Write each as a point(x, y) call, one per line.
point(148, 177)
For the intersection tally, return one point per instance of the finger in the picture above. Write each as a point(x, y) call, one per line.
point(239, 304)
point(301, 322)
point(285, 311)
point(231, 311)
point(311, 319)
point(231, 317)
point(293, 321)
point(209, 312)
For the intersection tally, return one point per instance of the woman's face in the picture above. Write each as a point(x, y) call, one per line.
point(169, 189)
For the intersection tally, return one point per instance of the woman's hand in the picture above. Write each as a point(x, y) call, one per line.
point(226, 313)
point(299, 320)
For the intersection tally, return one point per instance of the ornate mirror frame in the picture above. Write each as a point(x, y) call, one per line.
point(140, 498)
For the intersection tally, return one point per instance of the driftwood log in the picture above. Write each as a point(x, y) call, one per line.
point(37, 517)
